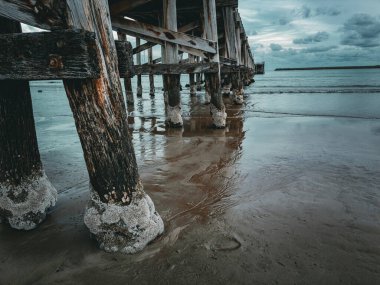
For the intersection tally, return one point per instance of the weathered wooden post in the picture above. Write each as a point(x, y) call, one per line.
point(127, 80)
point(217, 108)
point(151, 76)
point(172, 81)
point(193, 90)
point(25, 191)
point(120, 214)
point(239, 89)
point(198, 77)
point(138, 62)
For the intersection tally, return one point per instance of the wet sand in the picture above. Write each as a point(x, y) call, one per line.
point(269, 200)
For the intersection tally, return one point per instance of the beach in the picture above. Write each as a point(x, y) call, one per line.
point(288, 193)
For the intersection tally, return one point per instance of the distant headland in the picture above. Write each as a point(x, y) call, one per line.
point(328, 67)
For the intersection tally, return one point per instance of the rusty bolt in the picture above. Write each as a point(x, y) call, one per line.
point(60, 44)
point(55, 61)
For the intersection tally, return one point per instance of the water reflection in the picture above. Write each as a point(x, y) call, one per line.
point(190, 172)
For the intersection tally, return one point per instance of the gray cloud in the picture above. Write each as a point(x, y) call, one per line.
point(315, 38)
point(318, 49)
point(284, 21)
point(361, 30)
point(275, 47)
point(304, 12)
point(329, 11)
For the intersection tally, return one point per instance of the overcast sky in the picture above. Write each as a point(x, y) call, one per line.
point(291, 33)
point(301, 33)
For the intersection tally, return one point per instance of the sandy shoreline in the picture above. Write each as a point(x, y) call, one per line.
point(285, 200)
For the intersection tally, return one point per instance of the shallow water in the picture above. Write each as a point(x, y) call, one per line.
point(287, 193)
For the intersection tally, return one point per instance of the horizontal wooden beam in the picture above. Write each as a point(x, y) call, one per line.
point(183, 68)
point(227, 61)
point(64, 54)
point(183, 29)
point(44, 14)
point(193, 45)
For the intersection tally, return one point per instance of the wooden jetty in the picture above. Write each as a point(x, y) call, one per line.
point(80, 49)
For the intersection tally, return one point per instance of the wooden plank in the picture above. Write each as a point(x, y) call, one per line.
point(183, 29)
point(183, 68)
point(65, 54)
point(44, 14)
point(161, 35)
point(227, 61)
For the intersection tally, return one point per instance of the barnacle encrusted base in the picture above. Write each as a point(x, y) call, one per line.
point(238, 98)
point(24, 206)
point(174, 118)
point(218, 116)
point(226, 90)
point(126, 229)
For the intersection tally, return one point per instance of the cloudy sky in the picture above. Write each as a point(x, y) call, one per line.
point(298, 33)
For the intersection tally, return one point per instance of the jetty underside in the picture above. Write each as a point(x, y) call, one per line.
point(80, 49)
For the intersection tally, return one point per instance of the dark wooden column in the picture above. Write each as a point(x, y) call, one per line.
point(213, 84)
point(193, 89)
point(198, 77)
point(25, 191)
point(239, 90)
point(138, 62)
point(172, 81)
point(127, 80)
point(151, 76)
point(119, 209)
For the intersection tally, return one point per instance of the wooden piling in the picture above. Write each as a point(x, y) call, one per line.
point(127, 80)
point(101, 121)
point(217, 108)
point(193, 90)
point(151, 76)
point(138, 62)
point(22, 178)
point(172, 82)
